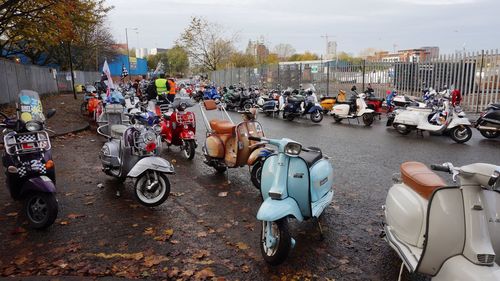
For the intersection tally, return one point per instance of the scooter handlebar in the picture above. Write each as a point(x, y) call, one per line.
point(254, 138)
point(441, 168)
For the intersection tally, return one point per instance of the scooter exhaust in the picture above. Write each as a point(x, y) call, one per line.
point(486, 128)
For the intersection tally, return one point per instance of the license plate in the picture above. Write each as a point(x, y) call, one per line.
point(25, 108)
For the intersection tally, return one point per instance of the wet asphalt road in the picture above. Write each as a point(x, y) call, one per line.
point(364, 160)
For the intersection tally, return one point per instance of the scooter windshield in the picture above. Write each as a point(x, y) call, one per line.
point(30, 107)
point(309, 86)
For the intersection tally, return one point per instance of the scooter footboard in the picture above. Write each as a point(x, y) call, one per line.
point(151, 163)
point(273, 210)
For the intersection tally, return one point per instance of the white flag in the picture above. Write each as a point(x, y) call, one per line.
point(105, 70)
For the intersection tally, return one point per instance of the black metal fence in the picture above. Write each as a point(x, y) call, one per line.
point(476, 74)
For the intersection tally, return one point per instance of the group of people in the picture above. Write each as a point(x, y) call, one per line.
point(163, 88)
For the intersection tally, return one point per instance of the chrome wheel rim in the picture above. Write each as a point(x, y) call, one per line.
point(37, 209)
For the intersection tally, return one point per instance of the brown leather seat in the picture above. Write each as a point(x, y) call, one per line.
point(420, 178)
point(222, 126)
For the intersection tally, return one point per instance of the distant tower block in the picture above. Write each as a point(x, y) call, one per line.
point(331, 50)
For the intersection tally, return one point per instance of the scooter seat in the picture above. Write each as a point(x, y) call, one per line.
point(222, 126)
point(420, 178)
point(117, 131)
point(311, 157)
point(375, 99)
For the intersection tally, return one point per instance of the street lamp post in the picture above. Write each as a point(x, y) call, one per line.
point(128, 51)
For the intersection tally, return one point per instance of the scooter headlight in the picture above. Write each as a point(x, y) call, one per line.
point(293, 148)
point(157, 129)
point(494, 181)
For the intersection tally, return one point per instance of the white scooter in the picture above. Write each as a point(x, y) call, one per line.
point(447, 232)
point(451, 119)
point(353, 109)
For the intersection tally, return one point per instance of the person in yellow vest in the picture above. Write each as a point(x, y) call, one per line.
point(171, 93)
point(162, 86)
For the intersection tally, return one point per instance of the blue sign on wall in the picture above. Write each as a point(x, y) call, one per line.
point(138, 66)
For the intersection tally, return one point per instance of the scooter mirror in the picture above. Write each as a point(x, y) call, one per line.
point(51, 112)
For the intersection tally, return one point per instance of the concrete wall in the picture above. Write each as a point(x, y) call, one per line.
point(15, 77)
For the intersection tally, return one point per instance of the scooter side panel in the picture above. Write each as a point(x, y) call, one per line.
point(298, 185)
point(457, 121)
point(407, 117)
point(151, 163)
point(321, 179)
point(341, 109)
point(445, 230)
point(406, 212)
point(459, 268)
point(273, 210)
point(491, 201)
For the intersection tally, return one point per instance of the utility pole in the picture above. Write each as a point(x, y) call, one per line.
point(71, 70)
point(128, 52)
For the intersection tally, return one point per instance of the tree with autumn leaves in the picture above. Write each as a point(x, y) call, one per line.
point(46, 30)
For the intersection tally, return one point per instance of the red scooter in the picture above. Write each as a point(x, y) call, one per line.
point(178, 127)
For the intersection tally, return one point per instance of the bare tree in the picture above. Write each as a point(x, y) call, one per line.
point(284, 51)
point(207, 44)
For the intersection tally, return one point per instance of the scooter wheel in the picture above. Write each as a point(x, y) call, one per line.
point(368, 119)
point(156, 195)
point(337, 119)
point(189, 149)
point(489, 134)
point(461, 134)
point(276, 250)
point(256, 174)
point(41, 209)
point(316, 117)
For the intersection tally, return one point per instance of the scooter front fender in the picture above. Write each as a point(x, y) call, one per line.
point(273, 210)
point(315, 108)
point(187, 135)
point(151, 163)
point(256, 154)
point(365, 111)
point(39, 184)
point(460, 268)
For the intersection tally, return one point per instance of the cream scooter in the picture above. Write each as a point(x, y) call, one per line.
point(422, 119)
point(354, 108)
point(447, 232)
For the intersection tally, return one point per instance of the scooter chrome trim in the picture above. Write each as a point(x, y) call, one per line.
point(151, 163)
point(273, 210)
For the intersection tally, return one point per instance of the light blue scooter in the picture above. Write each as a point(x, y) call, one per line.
point(295, 182)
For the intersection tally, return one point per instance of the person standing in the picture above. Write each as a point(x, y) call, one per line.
point(171, 93)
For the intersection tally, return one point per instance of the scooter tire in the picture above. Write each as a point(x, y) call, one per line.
point(290, 117)
point(163, 181)
point(220, 169)
point(51, 209)
point(489, 134)
point(284, 243)
point(316, 117)
point(403, 132)
point(337, 119)
point(256, 174)
point(368, 119)
point(189, 149)
point(459, 137)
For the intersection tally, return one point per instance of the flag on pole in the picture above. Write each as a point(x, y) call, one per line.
point(124, 71)
point(107, 72)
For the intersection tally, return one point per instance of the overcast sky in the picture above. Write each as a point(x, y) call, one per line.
point(354, 24)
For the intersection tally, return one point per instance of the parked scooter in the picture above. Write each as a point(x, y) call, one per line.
point(28, 163)
point(296, 182)
point(211, 94)
point(239, 99)
point(435, 121)
point(178, 127)
point(132, 151)
point(488, 123)
point(227, 145)
point(272, 104)
point(300, 105)
point(447, 232)
point(327, 103)
point(354, 108)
